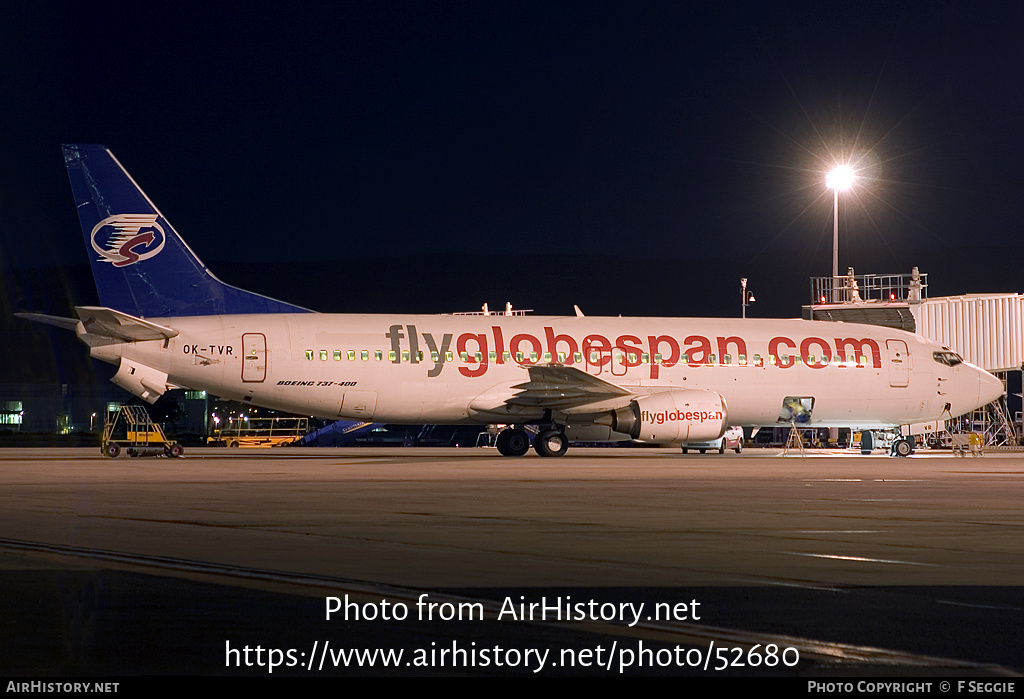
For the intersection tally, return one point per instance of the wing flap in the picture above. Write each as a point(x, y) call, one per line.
point(559, 387)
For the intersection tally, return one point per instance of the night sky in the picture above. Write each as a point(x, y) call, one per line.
point(662, 138)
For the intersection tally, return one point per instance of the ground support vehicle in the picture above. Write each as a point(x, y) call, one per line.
point(130, 429)
point(967, 443)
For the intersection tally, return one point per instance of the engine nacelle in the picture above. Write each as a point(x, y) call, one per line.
point(681, 415)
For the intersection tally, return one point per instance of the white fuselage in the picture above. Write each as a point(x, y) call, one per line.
point(461, 368)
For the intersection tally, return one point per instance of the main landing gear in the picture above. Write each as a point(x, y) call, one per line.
point(551, 443)
point(514, 441)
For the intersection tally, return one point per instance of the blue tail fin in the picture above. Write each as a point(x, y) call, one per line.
point(141, 265)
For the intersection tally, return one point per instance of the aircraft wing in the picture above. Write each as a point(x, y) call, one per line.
point(558, 387)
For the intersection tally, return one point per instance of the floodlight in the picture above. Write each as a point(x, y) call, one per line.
point(840, 178)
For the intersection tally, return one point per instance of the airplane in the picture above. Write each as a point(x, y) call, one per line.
point(167, 322)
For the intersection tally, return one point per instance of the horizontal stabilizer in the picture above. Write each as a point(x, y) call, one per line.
point(57, 321)
point(106, 322)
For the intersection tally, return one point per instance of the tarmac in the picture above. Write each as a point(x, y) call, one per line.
point(614, 561)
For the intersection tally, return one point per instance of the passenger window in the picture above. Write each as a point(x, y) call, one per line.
point(448, 356)
point(391, 355)
point(405, 355)
point(577, 357)
point(337, 355)
point(757, 360)
point(323, 355)
point(351, 355)
point(378, 355)
point(365, 355)
point(309, 355)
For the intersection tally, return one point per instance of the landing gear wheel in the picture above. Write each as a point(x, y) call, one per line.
point(703, 451)
point(512, 442)
point(175, 450)
point(111, 450)
point(903, 447)
point(866, 442)
point(551, 443)
point(685, 450)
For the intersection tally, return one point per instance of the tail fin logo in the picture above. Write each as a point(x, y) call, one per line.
point(125, 239)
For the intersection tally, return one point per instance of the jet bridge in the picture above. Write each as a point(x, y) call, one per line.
point(985, 329)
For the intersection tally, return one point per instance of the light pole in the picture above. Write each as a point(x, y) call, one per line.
point(748, 296)
point(840, 178)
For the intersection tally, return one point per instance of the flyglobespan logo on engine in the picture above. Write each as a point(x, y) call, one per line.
point(125, 239)
point(663, 416)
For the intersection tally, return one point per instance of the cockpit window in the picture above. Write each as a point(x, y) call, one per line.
point(948, 358)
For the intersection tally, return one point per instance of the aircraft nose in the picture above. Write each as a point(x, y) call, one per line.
point(991, 388)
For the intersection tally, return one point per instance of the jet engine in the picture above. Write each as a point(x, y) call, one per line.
point(680, 415)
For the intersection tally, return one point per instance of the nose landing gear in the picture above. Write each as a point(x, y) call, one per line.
point(903, 447)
